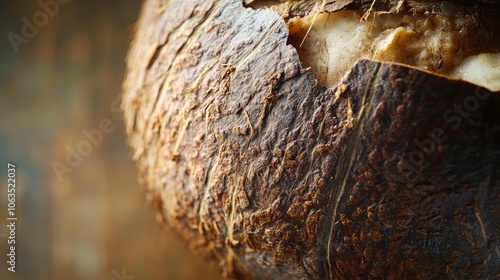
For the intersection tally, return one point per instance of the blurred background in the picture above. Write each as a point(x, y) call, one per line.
point(60, 75)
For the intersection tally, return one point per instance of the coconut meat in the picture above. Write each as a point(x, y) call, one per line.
point(330, 43)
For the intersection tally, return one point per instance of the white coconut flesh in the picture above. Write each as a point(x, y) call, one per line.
point(330, 43)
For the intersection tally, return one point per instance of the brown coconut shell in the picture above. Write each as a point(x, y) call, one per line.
point(392, 174)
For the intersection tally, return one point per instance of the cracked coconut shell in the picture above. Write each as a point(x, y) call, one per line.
point(391, 173)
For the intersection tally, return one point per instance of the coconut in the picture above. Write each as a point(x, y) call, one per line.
point(322, 139)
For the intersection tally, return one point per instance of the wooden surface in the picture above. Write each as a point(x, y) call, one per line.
point(95, 221)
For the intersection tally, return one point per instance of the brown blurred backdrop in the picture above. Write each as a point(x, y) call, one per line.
point(95, 222)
